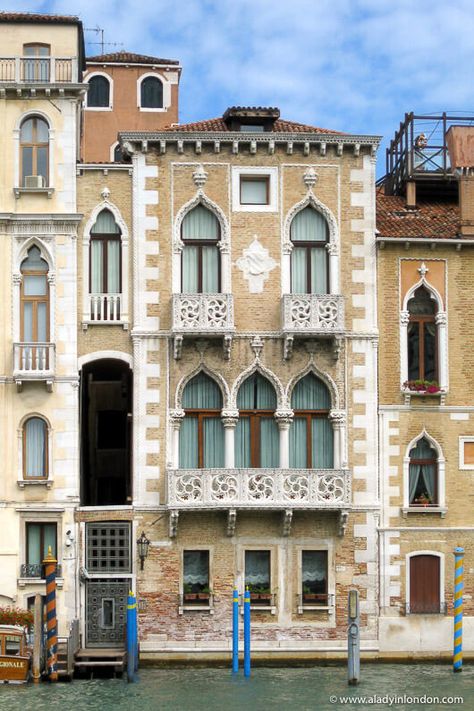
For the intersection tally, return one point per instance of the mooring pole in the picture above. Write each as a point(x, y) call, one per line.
point(247, 632)
point(38, 627)
point(353, 639)
point(458, 591)
point(131, 637)
point(51, 620)
point(235, 631)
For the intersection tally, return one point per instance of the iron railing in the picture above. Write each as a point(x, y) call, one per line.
point(36, 570)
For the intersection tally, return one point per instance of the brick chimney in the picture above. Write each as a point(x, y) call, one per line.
point(460, 142)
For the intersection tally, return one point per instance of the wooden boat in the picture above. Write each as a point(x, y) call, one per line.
point(15, 656)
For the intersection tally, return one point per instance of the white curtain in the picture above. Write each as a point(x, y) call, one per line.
point(309, 226)
point(257, 568)
point(113, 266)
point(97, 266)
point(200, 223)
point(35, 446)
point(196, 568)
point(314, 570)
point(254, 192)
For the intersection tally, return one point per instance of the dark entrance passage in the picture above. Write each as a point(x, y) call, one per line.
point(106, 419)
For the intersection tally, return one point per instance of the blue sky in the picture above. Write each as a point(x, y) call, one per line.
point(351, 65)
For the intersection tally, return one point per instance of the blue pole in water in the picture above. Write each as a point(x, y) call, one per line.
point(131, 637)
point(235, 631)
point(247, 633)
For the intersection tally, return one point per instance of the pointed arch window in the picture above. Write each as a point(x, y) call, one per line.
point(34, 152)
point(423, 474)
point(35, 449)
point(311, 433)
point(201, 438)
point(309, 234)
point(422, 337)
point(257, 441)
point(200, 233)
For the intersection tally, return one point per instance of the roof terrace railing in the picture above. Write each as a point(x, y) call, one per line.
point(38, 70)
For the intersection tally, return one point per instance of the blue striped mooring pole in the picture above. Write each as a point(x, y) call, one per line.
point(131, 637)
point(247, 632)
point(235, 631)
point(458, 590)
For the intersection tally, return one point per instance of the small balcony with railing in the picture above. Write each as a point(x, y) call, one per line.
point(311, 316)
point(105, 308)
point(202, 315)
point(33, 361)
point(38, 70)
point(34, 573)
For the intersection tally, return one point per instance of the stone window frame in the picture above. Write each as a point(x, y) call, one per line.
point(442, 575)
point(269, 172)
point(196, 608)
point(110, 107)
point(18, 189)
point(41, 515)
point(465, 439)
point(441, 507)
point(328, 547)
point(22, 480)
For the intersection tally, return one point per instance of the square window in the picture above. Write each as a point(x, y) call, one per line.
point(254, 190)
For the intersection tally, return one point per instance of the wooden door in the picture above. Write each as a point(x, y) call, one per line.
point(425, 584)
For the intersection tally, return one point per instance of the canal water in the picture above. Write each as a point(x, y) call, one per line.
point(317, 688)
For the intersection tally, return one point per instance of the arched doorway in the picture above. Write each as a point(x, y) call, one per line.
point(106, 420)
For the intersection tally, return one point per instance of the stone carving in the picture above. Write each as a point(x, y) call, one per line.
point(256, 265)
point(202, 312)
point(200, 177)
point(310, 178)
point(313, 312)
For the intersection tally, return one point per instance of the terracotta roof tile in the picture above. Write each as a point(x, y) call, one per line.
point(123, 57)
point(33, 17)
point(430, 220)
point(219, 125)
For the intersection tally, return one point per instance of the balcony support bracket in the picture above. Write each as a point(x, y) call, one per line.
point(178, 347)
point(288, 347)
point(19, 385)
point(287, 520)
point(173, 524)
point(227, 346)
point(343, 521)
point(231, 521)
point(336, 347)
point(49, 386)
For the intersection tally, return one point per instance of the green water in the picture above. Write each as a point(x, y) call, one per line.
point(269, 689)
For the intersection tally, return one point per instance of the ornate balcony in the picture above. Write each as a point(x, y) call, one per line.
point(38, 70)
point(33, 361)
point(272, 489)
point(105, 308)
point(311, 315)
point(202, 315)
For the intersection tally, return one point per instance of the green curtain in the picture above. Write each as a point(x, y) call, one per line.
point(422, 477)
point(214, 451)
point(242, 443)
point(298, 432)
point(200, 223)
point(323, 445)
point(97, 266)
point(202, 393)
point(105, 224)
point(256, 393)
point(319, 271)
point(37, 552)
point(269, 443)
point(310, 393)
point(188, 443)
point(309, 226)
point(299, 282)
point(190, 269)
point(113, 266)
point(210, 270)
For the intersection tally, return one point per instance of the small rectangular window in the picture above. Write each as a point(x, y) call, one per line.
point(314, 577)
point(258, 577)
point(252, 128)
point(196, 590)
point(254, 190)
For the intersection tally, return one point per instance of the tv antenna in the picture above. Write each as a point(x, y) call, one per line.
point(99, 31)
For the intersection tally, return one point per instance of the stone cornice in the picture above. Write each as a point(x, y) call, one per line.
point(33, 91)
point(39, 223)
point(268, 139)
point(405, 242)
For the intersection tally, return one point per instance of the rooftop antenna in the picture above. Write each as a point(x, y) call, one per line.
point(99, 31)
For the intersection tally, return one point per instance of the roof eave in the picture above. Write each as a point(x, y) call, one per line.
point(266, 137)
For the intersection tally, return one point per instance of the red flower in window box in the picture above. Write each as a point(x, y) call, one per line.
point(430, 387)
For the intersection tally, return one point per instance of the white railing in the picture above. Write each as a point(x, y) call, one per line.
point(259, 488)
point(33, 359)
point(203, 313)
point(38, 70)
point(105, 307)
point(312, 313)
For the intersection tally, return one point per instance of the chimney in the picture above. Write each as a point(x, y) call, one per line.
point(411, 195)
point(460, 142)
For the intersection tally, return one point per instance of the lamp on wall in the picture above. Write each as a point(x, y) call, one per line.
point(142, 544)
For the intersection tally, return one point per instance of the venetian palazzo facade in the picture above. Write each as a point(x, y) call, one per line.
point(424, 270)
point(254, 438)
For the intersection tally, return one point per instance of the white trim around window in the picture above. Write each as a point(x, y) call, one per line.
point(110, 107)
point(256, 172)
point(166, 92)
point(17, 187)
point(21, 480)
point(441, 474)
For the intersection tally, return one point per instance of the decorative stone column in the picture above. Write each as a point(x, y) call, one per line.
point(441, 325)
point(333, 253)
point(229, 420)
point(338, 421)
point(284, 419)
point(404, 319)
point(176, 417)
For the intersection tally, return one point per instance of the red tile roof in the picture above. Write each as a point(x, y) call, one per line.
point(33, 17)
point(123, 57)
point(219, 125)
point(430, 220)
